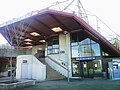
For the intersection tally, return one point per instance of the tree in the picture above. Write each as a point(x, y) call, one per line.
point(14, 34)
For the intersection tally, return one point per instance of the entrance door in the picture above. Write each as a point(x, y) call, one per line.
point(87, 69)
point(76, 69)
point(26, 72)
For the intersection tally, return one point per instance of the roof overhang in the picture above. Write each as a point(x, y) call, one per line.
point(47, 19)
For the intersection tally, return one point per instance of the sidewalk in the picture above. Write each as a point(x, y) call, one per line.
point(80, 84)
point(3, 79)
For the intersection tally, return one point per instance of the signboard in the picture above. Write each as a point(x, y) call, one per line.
point(20, 18)
point(24, 61)
point(86, 58)
point(62, 52)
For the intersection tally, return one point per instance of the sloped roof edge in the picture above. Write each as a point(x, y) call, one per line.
point(102, 39)
point(87, 27)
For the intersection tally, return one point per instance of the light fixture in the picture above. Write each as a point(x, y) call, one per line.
point(41, 40)
point(28, 43)
point(28, 40)
point(35, 34)
point(26, 47)
point(56, 29)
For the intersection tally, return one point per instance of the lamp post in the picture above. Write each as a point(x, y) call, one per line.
point(67, 54)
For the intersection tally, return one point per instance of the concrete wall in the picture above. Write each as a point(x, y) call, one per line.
point(35, 48)
point(15, 52)
point(35, 69)
point(6, 52)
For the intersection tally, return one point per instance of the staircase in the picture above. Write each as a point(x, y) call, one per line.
point(40, 56)
point(52, 74)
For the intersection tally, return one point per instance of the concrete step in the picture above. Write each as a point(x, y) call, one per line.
point(52, 74)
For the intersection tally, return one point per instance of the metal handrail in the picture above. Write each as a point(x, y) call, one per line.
point(60, 64)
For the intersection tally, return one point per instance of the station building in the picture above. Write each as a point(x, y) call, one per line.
point(64, 41)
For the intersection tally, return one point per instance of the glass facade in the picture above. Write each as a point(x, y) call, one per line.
point(86, 47)
point(87, 68)
point(97, 68)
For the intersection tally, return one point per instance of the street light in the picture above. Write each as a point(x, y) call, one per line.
point(67, 55)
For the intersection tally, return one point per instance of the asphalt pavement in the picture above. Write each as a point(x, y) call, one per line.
point(76, 84)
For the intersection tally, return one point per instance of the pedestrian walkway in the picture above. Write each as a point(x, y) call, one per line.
point(79, 84)
point(4, 79)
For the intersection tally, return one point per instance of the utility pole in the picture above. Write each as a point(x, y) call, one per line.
point(74, 6)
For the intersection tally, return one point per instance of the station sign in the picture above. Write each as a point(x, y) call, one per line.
point(86, 58)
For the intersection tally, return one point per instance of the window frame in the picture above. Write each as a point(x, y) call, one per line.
point(52, 46)
point(80, 44)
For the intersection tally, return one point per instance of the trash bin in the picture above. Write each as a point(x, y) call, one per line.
point(9, 73)
point(104, 74)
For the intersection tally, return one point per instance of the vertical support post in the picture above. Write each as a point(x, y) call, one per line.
point(11, 67)
point(67, 56)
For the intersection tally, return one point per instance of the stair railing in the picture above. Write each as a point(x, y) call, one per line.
point(61, 64)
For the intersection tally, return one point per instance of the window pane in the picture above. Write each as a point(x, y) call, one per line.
point(75, 51)
point(49, 41)
point(95, 50)
point(86, 47)
point(97, 67)
point(74, 44)
point(49, 47)
point(55, 41)
point(74, 37)
point(85, 50)
point(93, 41)
point(55, 46)
point(55, 50)
point(50, 51)
point(86, 41)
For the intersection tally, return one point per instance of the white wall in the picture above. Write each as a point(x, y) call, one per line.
point(36, 70)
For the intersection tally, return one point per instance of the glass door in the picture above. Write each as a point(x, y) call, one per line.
point(76, 69)
point(87, 69)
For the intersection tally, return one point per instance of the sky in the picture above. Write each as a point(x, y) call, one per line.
point(107, 10)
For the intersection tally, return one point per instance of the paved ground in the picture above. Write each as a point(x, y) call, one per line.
point(84, 84)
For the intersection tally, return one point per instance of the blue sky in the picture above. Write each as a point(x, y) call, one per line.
point(107, 10)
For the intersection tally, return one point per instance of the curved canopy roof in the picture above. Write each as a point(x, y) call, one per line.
point(43, 21)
